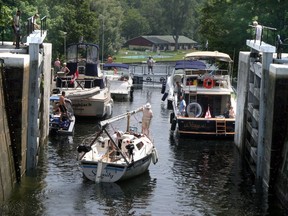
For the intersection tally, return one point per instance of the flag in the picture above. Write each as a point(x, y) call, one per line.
point(75, 76)
point(208, 114)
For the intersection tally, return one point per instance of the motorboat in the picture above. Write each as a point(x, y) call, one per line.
point(120, 80)
point(116, 156)
point(85, 85)
point(61, 124)
point(203, 79)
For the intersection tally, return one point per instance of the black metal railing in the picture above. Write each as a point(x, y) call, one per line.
point(31, 27)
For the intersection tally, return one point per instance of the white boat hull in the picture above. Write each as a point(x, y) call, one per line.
point(115, 172)
point(99, 105)
point(116, 157)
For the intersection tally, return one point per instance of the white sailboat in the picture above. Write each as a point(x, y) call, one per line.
point(119, 156)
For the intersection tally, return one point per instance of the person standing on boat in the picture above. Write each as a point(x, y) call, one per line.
point(182, 106)
point(57, 65)
point(150, 63)
point(65, 69)
point(146, 119)
point(178, 89)
point(231, 112)
point(62, 105)
point(109, 59)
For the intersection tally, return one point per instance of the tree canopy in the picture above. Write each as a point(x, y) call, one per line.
point(223, 23)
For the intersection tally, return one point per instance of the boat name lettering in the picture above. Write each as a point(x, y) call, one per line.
point(82, 104)
point(107, 175)
point(190, 125)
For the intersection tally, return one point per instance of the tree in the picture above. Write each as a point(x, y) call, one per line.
point(134, 24)
point(176, 15)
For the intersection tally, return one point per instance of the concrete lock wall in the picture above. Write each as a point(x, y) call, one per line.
point(278, 104)
point(13, 158)
point(28, 79)
point(242, 89)
point(7, 171)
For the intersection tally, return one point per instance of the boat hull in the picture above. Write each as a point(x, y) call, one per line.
point(115, 172)
point(55, 128)
point(98, 106)
point(206, 127)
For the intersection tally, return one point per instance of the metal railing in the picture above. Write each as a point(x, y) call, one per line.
point(31, 27)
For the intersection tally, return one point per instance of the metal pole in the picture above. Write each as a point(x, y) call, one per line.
point(102, 39)
point(65, 33)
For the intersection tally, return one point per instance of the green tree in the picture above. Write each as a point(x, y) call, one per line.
point(176, 16)
point(5, 20)
point(134, 24)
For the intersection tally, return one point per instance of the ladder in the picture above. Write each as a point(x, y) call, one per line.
point(221, 126)
point(192, 96)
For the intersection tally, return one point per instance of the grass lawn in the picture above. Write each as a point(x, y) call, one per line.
point(134, 56)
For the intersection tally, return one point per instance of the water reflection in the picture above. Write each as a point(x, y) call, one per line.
point(116, 198)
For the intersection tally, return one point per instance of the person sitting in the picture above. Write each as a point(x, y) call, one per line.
point(56, 108)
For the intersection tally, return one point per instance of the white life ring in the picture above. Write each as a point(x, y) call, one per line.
point(194, 110)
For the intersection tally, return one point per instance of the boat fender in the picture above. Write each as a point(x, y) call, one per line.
point(208, 83)
point(165, 95)
point(163, 86)
point(83, 148)
point(173, 125)
point(109, 110)
point(194, 110)
point(154, 156)
point(172, 116)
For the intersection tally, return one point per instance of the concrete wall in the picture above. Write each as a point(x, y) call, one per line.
point(28, 79)
point(278, 109)
point(7, 170)
point(242, 89)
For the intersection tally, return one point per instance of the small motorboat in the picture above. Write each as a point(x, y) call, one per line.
point(120, 80)
point(118, 156)
point(56, 125)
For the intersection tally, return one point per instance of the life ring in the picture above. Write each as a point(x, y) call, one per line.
point(208, 83)
point(194, 110)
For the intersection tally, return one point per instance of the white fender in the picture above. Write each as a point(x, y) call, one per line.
point(154, 156)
